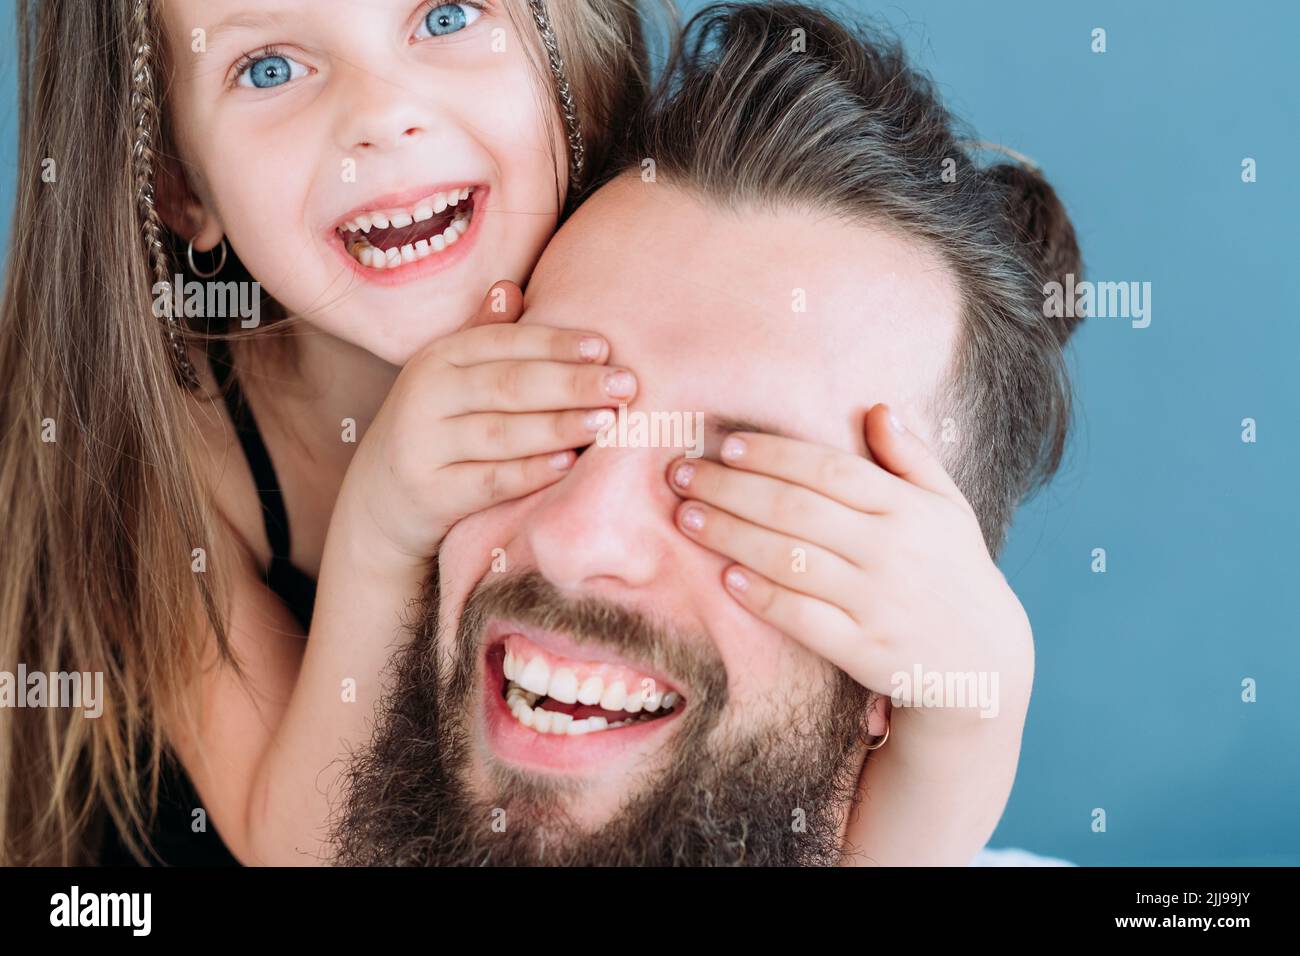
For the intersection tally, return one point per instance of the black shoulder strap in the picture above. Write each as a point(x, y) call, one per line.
point(274, 515)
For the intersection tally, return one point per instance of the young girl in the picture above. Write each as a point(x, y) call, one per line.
point(372, 175)
point(375, 174)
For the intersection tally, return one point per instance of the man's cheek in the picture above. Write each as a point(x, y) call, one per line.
point(481, 544)
point(753, 652)
point(770, 676)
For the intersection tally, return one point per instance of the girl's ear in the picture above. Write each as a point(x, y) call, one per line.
point(182, 211)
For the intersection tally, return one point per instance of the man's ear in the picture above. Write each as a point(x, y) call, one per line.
point(181, 211)
point(875, 719)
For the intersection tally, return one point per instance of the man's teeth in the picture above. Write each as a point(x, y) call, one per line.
point(561, 683)
point(375, 258)
point(529, 683)
point(527, 710)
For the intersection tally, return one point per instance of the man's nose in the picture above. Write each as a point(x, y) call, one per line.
point(607, 523)
point(377, 112)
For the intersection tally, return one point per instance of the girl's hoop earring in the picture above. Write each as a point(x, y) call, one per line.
point(221, 260)
point(881, 742)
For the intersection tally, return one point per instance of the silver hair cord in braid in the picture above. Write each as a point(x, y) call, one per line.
point(577, 151)
point(145, 114)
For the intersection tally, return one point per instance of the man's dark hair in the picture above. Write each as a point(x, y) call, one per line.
point(780, 104)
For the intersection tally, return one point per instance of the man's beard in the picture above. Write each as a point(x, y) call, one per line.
point(774, 796)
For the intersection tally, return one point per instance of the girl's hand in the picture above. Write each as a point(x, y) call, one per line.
point(484, 415)
point(879, 567)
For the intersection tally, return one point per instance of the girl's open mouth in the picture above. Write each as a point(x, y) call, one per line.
point(391, 237)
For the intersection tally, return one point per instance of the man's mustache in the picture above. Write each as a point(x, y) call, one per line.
point(528, 598)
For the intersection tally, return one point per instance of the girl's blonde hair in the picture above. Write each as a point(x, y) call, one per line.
point(104, 507)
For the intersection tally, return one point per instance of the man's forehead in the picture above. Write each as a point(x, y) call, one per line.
point(791, 320)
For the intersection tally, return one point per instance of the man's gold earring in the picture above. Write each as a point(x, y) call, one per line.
point(221, 260)
point(881, 742)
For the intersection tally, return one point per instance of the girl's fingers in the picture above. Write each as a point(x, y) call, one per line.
point(824, 629)
point(847, 478)
point(534, 386)
point(788, 561)
point(482, 484)
point(509, 342)
point(903, 453)
point(776, 504)
point(504, 302)
point(498, 436)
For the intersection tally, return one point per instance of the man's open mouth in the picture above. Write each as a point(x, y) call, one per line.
point(390, 237)
point(565, 696)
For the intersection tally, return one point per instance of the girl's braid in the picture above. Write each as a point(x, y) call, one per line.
point(145, 113)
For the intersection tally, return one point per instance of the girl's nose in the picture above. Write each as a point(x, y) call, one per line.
point(378, 114)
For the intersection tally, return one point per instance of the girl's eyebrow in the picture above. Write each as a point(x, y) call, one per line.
point(247, 20)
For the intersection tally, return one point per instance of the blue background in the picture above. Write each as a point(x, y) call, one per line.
point(1137, 702)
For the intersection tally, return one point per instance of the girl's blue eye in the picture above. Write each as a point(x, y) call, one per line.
point(269, 71)
point(449, 18)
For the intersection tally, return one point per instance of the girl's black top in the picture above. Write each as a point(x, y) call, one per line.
point(172, 834)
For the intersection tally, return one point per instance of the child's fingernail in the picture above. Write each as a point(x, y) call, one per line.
point(561, 460)
point(591, 348)
point(620, 384)
point(693, 519)
point(733, 447)
point(683, 474)
point(895, 424)
point(736, 580)
point(601, 418)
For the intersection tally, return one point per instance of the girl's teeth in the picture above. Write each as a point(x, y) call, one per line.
point(375, 258)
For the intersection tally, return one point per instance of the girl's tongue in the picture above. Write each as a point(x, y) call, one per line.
point(394, 237)
point(386, 239)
